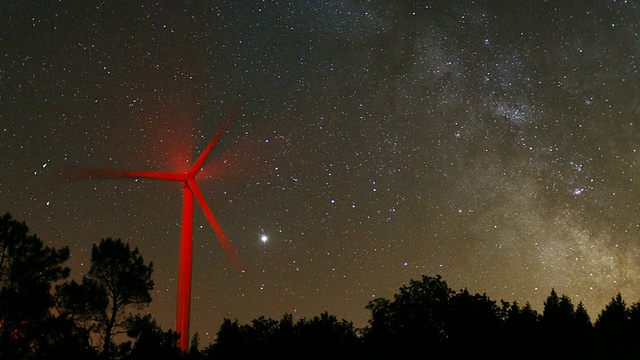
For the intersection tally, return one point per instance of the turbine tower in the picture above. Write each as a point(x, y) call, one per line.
point(190, 191)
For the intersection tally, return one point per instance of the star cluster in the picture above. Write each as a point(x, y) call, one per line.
point(495, 144)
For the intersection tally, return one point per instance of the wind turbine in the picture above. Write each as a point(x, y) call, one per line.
point(190, 191)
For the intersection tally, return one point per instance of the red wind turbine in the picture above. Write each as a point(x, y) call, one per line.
point(190, 191)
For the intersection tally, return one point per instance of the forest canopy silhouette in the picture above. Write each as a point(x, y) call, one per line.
point(44, 315)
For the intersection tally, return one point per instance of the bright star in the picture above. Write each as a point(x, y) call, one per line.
point(264, 238)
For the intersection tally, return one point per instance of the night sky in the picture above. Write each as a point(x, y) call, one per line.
point(494, 143)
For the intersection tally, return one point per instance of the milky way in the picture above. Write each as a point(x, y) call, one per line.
point(493, 143)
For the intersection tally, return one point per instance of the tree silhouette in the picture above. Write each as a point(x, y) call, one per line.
point(229, 341)
point(151, 341)
point(381, 320)
point(60, 339)
point(613, 328)
point(565, 327)
point(286, 332)
point(81, 304)
point(117, 279)
point(414, 320)
point(325, 336)
point(126, 279)
point(520, 329)
point(473, 324)
point(194, 348)
point(261, 332)
point(322, 336)
point(583, 328)
point(27, 270)
point(634, 327)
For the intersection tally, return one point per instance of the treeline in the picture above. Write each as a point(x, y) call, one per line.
point(45, 316)
point(428, 320)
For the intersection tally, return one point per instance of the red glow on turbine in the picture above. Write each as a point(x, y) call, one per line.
point(166, 131)
point(191, 194)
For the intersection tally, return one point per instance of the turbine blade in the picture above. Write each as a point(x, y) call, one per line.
point(111, 174)
point(201, 159)
point(228, 248)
